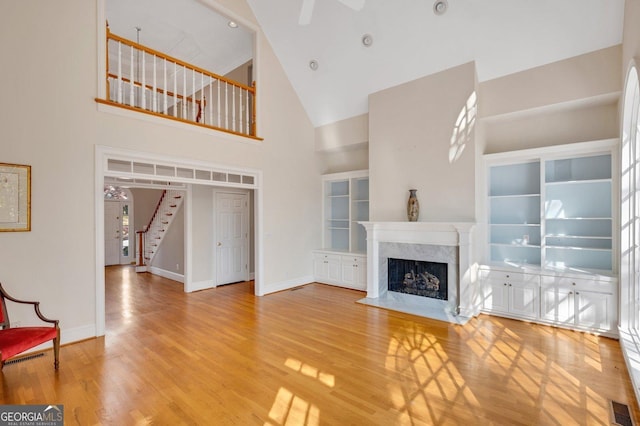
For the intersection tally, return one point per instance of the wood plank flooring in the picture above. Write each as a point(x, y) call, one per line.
point(312, 356)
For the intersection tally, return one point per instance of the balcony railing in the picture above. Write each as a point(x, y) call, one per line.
point(142, 79)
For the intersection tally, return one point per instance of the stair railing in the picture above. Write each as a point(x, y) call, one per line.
point(146, 80)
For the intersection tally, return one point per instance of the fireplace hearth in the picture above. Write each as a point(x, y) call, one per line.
point(430, 242)
point(418, 277)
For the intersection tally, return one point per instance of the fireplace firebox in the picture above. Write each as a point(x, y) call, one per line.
point(418, 277)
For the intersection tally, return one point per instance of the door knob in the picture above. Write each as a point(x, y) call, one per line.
point(219, 244)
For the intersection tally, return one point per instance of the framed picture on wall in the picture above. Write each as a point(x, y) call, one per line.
point(15, 197)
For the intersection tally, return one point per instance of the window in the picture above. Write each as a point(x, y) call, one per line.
point(630, 205)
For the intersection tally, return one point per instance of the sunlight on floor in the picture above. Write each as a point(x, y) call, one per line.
point(428, 377)
point(289, 409)
point(324, 378)
point(529, 373)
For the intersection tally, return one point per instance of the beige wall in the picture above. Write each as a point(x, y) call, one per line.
point(631, 34)
point(60, 143)
point(410, 132)
point(552, 126)
point(344, 145)
point(170, 255)
point(568, 101)
point(145, 202)
point(586, 76)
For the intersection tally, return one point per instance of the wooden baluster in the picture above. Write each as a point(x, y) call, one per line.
point(202, 103)
point(246, 115)
point(132, 86)
point(219, 111)
point(226, 105)
point(233, 107)
point(240, 120)
point(154, 95)
point(140, 248)
point(144, 81)
point(253, 109)
point(119, 96)
point(175, 89)
point(193, 95)
point(165, 86)
point(108, 94)
point(184, 92)
point(210, 97)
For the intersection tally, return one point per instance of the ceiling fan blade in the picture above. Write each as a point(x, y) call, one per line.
point(353, 4)
point(306, 11)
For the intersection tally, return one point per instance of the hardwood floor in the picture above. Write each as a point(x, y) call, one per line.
point(312, 356)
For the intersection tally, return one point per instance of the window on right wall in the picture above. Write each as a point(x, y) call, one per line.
point(630, 205)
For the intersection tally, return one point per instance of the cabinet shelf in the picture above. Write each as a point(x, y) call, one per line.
point(578, 218)
point(588, 237)
point(345, 202)
point(493, 197)
point(578, 248)
point(556, 212)
point(514, 245)
point(577, 182)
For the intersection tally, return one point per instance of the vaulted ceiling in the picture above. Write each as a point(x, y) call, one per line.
point(409, 40)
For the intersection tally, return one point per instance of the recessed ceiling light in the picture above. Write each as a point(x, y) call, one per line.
point(313, 64)
point(367, 40)
point(440, 7)
point(233, 24)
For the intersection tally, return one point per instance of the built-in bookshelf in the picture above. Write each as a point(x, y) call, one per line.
point(553, 210)
point(345, 202)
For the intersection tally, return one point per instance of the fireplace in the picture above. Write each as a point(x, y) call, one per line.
point(418, 277)
point(445, 244)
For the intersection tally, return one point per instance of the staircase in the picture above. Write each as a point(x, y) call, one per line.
point(166, 210)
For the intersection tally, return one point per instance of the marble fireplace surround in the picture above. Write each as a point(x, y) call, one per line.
point(430, 241)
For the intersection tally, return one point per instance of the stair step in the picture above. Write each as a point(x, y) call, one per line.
point(164, 222)
point(169, 214)
point(177, 197)
point(173, 205)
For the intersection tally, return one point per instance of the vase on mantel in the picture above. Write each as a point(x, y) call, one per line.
point(413, 207)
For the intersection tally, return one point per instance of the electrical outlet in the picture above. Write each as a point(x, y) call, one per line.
point(177, 266)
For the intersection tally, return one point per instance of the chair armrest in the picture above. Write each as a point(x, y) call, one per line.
point(36, 306)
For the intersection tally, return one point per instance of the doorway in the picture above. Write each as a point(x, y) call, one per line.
point(118, 214)
point(232, 237)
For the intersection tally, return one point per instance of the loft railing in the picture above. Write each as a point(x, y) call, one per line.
point(142, 79)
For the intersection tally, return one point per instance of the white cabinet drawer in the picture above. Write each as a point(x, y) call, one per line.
point(508, 276)
point(594, 284)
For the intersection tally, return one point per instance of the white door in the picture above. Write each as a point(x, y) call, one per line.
point(232, 246)
point(112, 233)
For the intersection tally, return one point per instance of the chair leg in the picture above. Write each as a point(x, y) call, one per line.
point(56, 351)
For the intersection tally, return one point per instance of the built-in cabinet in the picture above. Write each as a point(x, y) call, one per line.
point(550, 251)
point(345, 202)
point(511, 293)
point(579, 303)
point(342, 270)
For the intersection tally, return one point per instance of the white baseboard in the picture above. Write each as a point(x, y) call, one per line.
point(200, 285)
point(141, 269)
point(286, 285)
point(252, 276)
point(167, 274)
point(68, 335)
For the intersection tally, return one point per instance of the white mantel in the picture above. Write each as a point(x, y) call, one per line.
point(450, 234)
